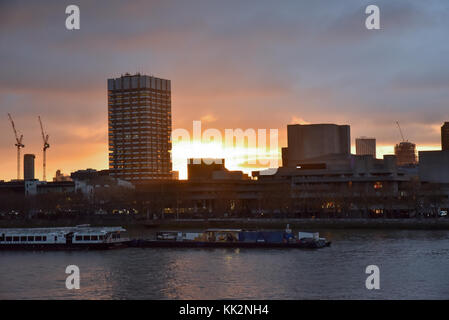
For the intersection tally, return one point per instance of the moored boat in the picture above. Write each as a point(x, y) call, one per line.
point(233, 238)
point(66, 238)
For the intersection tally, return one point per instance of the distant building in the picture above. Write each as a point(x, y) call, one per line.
point(365, 146)
point(212, 169)
point(28, 166)
point(36, 187)
point(434, 166)
point(405, 153)
point(60, 177)
point(56, 187)
point(316, 140)
point(284, 152)
point(445, 136)
point(88, 174)
point(139, 128)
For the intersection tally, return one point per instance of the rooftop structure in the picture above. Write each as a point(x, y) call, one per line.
point(315, 140)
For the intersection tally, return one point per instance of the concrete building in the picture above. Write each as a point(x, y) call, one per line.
point(359, 187)
point(284, 154)
point(406, 153)
point(89, 173)
point(35, 187)
point(337, 180)
point(365, 146)
point(28, 166)
point(60, 177)
point(334, 184)
point(307, 142)
point(61, 187)
point(445, 136)
point(139, 128)
point(212, 169)
point(434, 178)
point(434, 166)
point(88, 182)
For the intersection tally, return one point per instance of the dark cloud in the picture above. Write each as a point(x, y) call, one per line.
point(248, 63)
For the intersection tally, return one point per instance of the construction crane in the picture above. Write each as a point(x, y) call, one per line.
point(18, 144)
point(400, 131)
point(46, 146)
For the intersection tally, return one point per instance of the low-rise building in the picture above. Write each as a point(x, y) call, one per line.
point(434, 166)
point(211, 169)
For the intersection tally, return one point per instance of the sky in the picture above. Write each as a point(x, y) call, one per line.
point(233, 64)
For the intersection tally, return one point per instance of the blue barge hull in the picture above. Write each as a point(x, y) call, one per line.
point(237, 244)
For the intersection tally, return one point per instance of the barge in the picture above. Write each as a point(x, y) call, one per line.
point(66, 238)
point(233, 238)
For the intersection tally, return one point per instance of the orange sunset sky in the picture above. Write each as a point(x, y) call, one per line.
point(236, 64)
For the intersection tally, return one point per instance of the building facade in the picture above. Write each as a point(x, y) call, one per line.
point(28, 166)
point(365, 146)
point(211, 169)
point(405, 153)
point(445, 136)
point(434, 166)
point(315, 140)
point(139, 113)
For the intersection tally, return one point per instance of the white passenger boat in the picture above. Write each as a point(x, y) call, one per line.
point(67, 238)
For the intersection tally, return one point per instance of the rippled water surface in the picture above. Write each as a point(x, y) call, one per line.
point(413, 265)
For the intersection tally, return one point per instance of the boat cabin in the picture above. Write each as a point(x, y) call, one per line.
point(222, 235)
point(67, 235)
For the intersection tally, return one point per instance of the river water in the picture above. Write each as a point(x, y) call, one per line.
point(413, 265)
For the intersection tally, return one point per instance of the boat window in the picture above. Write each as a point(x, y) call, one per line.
point(23, 238)
point(44, 238)
point(56, 238)
point(114, 236)
point(86, 238)
point(8, 238)
point(78, 238)
point(101, 237)
point(30, 238)
point(94, 238)
point(15, 238)
point(38, 238)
